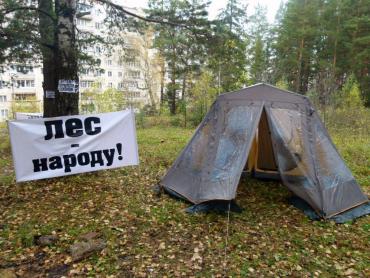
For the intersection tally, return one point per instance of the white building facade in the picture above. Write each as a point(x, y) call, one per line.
point(20, 88)
point(127, 68)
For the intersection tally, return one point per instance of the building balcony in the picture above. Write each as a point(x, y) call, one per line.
point(84, 10)
point(23, 90)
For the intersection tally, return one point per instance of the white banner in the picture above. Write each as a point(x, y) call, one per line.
point(25, 115)
point(60, 146)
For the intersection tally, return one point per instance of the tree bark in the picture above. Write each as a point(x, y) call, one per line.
point(67, 66)
point(47, 28)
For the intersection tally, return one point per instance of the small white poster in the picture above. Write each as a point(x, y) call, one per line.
point(49, 94)
point(68, 86)
point(60, 146)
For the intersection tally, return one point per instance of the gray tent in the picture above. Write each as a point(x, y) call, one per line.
point(291, 140)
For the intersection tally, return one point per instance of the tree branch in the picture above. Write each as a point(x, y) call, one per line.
point(5, 12)
point(123, 10)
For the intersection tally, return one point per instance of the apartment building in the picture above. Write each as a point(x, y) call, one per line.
point(20, 87)
point(127, 67)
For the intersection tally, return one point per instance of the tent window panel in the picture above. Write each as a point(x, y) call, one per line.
point(290, 133)
point(235, 138)
point(292, 155)
point(203, 144)
point(332, 170)
point(293, 158)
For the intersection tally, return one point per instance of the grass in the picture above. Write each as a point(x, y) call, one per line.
point(150, 235)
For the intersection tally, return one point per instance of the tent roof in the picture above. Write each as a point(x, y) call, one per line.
point(264, 92)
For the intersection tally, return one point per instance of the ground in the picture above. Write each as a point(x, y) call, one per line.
point(150, 235)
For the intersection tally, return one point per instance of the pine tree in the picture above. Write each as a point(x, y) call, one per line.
point(227, 49)
point(182, 46)
point(295, 46)
point(357, 27)
point(258, 34)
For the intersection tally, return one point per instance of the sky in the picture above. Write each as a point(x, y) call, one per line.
point(216, 5)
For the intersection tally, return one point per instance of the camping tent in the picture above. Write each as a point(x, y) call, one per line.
point(272, 132)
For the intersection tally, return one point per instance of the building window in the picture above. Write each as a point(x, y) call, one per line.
point(132, 62)
point(109, 73)
point(85, 71)
point(133, 74)
point(86, 84)
point(131, 52)
point(25, 83)
point(132, 94)
point(98, 72)
point(127, 84)
point(110, 85)
point(119, 74)
point(25, 97)
point(109, 62)
point(90, 84)
point(24, 69)
point(4, 113)
point(2, 98)
point(82, 22)
point(84, 8)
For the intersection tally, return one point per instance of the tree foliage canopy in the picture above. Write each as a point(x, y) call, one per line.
point(313, 45)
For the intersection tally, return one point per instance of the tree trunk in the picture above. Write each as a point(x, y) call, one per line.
point(299, 72)
point(47, 28)
point(334, 64)
point(66, 103)
point(149, 81)
point(162, 82)
point(151, 96)
point(172, 94)
point(183, 89)
point(183, 97)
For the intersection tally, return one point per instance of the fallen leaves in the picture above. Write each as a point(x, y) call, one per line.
point(145, 235)
point(7, 273)
point(162, 245)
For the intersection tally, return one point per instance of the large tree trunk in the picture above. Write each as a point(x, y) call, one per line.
point(47, 28)
point(66, 103)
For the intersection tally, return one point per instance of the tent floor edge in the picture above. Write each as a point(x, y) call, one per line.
point(347, 215)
